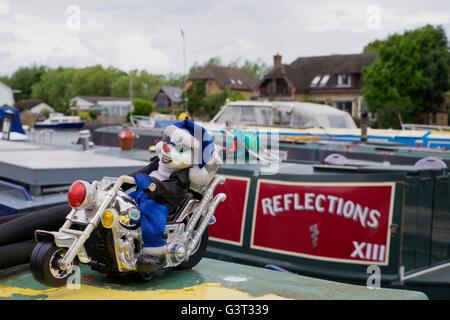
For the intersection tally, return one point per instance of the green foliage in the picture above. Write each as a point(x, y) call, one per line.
point(23, 79)
point(213, 102)
point(200, 105)
point(196, 95)
point(54, 88)
point(141, 108)
point(94, 81)
point(256, 68)
point(58, 86)
point(373, 46)
point(410, 75)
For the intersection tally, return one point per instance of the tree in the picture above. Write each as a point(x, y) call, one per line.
point(410, 75)
point(54, 87)
point(94, 81)
point(196, 95)
point(144, 84)
point(23, 79)
point(257, 69)
point(213, 102)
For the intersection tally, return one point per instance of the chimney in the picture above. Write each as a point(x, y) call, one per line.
point(276, 61)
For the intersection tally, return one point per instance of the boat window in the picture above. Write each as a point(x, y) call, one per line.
point(282, 117)
point(246, 115)
point(337, 121)
point(302, 121)
point(266, 116)
point(229, 114)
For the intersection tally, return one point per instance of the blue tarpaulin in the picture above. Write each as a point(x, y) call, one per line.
point(164, 123)
point(16, 125)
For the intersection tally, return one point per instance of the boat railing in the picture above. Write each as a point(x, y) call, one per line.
point(413, 126)
point(17, 187)
point(44, 136)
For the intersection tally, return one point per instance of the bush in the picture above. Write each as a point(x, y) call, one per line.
point(141, 108)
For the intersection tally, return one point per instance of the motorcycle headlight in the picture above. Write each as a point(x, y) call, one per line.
point(81, 195)
point(110, 217)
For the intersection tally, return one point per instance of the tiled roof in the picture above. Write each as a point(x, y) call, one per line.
point(27, 103)
point(94, 99)
point(302, 71)
point(174, 93)
point(234, 78)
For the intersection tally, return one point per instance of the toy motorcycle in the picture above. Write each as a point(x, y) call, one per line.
point(103, 231)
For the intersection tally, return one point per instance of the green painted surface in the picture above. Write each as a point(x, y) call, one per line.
point(254, 281)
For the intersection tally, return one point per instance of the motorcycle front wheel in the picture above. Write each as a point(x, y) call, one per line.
point(44, 264)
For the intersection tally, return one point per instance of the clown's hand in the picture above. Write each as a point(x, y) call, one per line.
point(143, 181)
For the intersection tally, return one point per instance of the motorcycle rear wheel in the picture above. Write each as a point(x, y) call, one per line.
point(195, 258)
point(44, 264)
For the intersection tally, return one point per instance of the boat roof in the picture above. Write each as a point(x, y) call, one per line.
point(307, 107)
point(16, 125)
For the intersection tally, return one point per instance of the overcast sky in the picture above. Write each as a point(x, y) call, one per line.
point(146, 34)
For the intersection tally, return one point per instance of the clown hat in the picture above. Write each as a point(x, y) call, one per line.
point(200, 141)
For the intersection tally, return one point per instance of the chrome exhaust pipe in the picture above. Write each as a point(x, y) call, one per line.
point(205, 220)
point(206, 198)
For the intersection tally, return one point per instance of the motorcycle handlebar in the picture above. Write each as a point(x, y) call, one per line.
point(121, 180)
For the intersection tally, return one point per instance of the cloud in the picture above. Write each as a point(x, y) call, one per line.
point(4, 8)
point(146, 34)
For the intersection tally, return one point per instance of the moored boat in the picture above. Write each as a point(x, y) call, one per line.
point(59, 121)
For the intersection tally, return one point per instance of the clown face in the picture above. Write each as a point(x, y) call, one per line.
point(176, 149)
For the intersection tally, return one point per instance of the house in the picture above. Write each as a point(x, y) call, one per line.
point(110, 110)
point(107, 105)
point(167, 97)
point(218, 78)
point(6, 95)
point(335, 80)
point(33, 106)
point(438, 116)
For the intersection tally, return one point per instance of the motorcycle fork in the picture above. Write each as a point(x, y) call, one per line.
point(82, 236)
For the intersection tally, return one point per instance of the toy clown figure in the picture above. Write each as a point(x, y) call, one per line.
point(163, 184)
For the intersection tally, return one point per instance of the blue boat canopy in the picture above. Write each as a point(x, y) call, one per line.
point(16, 124)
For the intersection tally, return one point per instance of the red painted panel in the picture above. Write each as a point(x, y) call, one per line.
point(337, 222)
point(230, 213)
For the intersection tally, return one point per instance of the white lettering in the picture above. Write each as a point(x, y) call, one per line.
point(333, 200)
point(297, 205)
point(373, 223)
point(349, 208)
point(361, 214)
point(375, 252)
point(358, 250)
point(309, 198)
point(320, 203)
point(368, 251)
point(339, 209)
point(381, 256)
point(276, 204)
point(287, 201)
point(319, 207)
point(267, 206)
